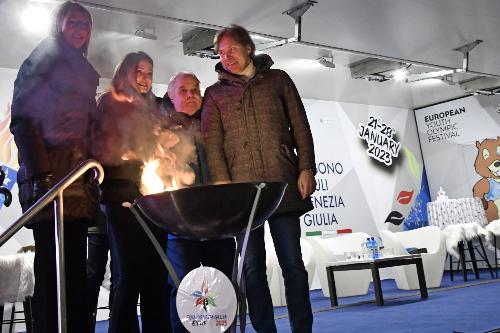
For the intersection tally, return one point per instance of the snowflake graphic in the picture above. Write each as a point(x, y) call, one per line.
point(205, 297)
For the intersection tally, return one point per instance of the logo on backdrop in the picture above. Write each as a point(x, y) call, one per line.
point(440, 126)
point(7, 181)
point(487, 165)
point(8, 157)
point(395, 218)
point(8, 149)
point(404, 197)
point(379, 137)
point(324, 201)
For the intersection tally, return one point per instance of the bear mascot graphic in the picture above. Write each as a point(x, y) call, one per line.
point(487, 165)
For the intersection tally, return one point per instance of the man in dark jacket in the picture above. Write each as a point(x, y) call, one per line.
point(253, 121)
point(182, 103)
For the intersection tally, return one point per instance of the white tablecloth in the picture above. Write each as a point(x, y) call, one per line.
point(443, 213)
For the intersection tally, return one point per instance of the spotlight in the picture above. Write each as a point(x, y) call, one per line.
point(36, 19)
point(400, 74)
point(326, 62)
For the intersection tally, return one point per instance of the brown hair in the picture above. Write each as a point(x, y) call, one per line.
point(238, 34)
point(61, 13)
point(120, 83)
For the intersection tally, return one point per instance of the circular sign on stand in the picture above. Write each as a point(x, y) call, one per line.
point(206, 301)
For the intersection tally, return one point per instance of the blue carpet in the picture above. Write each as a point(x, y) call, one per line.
point(456, 306)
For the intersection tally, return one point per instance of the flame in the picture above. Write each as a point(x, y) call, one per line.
point(128, 155)
point(151, 182)
point(119, 97)
point(164, 171)
point(173, 187)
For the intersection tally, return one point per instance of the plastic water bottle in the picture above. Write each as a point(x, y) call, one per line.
point(374, 248)
point(380, 243)
point(365, 249)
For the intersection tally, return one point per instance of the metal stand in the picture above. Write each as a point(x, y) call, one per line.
point(156, 244)
point(161, 252)
point(496, 254)
point(56, 195)
point(239, 288)
point(60, 267)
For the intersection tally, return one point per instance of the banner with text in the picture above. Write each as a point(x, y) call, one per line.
point(461, 148)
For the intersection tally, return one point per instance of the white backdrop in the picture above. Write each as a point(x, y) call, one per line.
point(355, 192)
point(448, 132)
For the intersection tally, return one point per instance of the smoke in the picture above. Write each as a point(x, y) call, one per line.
point(176, 153)
point(134, 129)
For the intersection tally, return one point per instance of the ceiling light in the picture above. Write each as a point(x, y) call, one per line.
point(432, 75)
point(374, 69)
point(326, 62)
point(400, 74)
point(36, 19)
point(145, 33)
point(481, 85)
point(199, 42)
point(257, 38)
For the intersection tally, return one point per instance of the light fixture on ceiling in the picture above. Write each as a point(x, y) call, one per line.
point(199, 42)
point(380, 70)
point(481, 86)
point(146, 33)
point(374, 69)
point(296, 13)
point(400, 75)
point(433, 75)
point(326, 61)
point(447, 74)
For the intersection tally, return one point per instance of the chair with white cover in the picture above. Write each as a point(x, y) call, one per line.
point(462, 221)
point(274, 273)
point(327, 250)
point(432, 239)
point(17, 284)
point(493, 229)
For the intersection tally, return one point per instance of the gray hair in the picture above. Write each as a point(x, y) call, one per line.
point(173, 82)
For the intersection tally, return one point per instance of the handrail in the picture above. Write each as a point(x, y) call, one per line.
point(56, 194)
point(51, 195)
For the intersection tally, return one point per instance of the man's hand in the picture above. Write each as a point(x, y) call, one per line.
point(306, 183)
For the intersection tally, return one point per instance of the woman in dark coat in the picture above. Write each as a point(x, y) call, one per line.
point(124, 136)
point(54, 96)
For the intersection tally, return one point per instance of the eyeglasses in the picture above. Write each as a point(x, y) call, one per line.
point(78, 25)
